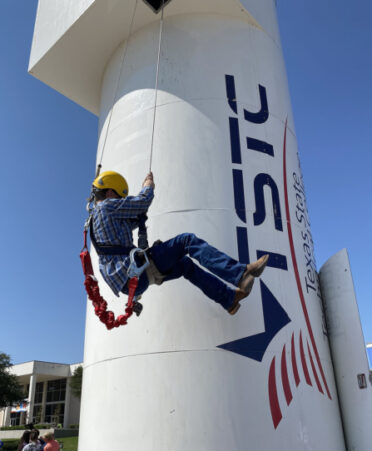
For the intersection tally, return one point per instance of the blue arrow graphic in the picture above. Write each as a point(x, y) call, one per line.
point(275, 318)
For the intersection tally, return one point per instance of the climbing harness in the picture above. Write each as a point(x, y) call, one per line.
point(134, 271)
point(92, 288)
point(142, 232)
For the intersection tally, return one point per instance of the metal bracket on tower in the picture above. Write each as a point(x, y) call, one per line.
point(156, 5)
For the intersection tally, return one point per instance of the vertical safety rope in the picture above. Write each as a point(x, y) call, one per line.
point(118, 80)
point(91, 283)
point(156, 83)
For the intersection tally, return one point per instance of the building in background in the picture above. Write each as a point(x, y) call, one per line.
point(48, 398)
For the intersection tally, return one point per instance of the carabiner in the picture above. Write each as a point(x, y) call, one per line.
point(134, 270)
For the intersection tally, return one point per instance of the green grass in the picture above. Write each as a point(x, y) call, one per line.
point(69, 443)
point(10, 444)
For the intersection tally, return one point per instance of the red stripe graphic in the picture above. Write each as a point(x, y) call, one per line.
point(294, 362)
point(303, 360)
point(276, 413)
point(314, 370)
point(295, 266)
point(285, 380)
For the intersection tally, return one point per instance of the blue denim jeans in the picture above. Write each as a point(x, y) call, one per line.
point(171, 259)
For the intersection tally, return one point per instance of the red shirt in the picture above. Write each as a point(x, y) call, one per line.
point(52, 445)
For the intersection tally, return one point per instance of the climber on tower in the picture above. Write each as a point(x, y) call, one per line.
point(115, 216)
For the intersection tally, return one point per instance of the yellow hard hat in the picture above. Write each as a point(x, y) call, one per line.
point(112, 180)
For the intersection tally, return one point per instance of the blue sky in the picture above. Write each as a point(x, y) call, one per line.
point(48, 153)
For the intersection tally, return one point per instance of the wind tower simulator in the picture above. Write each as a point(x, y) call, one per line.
point(185, 375)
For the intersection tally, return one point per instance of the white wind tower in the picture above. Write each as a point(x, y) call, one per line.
point(186, 376)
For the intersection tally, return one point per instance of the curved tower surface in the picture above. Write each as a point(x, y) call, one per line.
point(185, 375)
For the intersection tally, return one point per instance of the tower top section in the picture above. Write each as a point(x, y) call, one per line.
point(74, 39)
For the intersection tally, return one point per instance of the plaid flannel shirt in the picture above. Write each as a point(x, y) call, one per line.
point(113, 223)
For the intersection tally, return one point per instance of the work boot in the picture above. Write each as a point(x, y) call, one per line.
point(254, 269)
point(240, 294)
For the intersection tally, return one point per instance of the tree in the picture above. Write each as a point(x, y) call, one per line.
point(11, 391)
point(76, 381)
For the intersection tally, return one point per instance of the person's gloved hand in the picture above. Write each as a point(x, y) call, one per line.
point(149, 180)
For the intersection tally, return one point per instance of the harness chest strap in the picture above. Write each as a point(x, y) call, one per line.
point(107, 249)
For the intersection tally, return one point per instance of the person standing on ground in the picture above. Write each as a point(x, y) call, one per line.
point(24, 440)
point(34, 444)
point(51, 444)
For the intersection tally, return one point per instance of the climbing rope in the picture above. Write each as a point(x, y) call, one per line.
point(161, 24)
point(118, 80)
point(91, 283)
point(156, 82)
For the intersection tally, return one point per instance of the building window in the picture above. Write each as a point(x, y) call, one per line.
point(54, 413)
point(56, 390)
point(39, 393)
point(37, 414)
point(15, 418)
